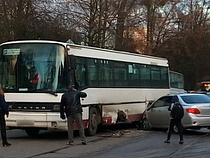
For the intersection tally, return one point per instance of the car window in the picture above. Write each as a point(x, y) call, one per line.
point(164, 101)
point(208, 94)
point(174, 99)
point(195, 99)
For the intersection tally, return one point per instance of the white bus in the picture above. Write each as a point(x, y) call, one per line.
point(35, 73)
point(176, 82)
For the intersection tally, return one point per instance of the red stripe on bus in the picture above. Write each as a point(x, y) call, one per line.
point(85, 124)
point(107, 120)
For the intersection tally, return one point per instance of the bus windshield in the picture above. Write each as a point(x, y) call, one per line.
point(32, 67)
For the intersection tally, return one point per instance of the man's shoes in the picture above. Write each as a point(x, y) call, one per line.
point(167, 141)
point(84, 142)
point(70, 143)
point(6, 144)
point(181, 142)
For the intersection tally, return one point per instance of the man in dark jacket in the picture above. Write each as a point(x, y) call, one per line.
point(70, 104)
point(176, 115)
point(3, 111)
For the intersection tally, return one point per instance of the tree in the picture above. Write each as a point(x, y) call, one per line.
point(103, 22)
point(123, 7)
point(188, 42)
point(159, 17)
point(33, 19)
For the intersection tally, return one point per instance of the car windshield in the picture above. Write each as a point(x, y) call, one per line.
point(195, 99)
point(208, 94)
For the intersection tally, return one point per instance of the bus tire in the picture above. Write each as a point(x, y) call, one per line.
point(32, 132)
point(93, 122)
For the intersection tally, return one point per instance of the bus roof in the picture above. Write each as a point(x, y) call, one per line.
point(34, 41)
point(87, 51)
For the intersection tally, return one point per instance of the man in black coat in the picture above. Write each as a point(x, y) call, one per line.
point(70, 104)
point(176, 115)
point(3, 111)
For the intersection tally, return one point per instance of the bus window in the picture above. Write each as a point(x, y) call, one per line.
point(105, 73)
point(92, 72)
point(134, 75)
point(81, 72)
point(120, 74)
point(145, 76)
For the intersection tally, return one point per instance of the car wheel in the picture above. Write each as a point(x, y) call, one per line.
point(145, 124)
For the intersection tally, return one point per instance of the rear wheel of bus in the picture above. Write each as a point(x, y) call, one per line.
point(93, 121)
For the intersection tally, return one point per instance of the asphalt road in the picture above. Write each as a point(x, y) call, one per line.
point(151, 145)
point(129, 143)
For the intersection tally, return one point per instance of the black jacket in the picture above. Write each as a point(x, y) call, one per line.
point(3, 105)
point(70, 102)
point(176, 111)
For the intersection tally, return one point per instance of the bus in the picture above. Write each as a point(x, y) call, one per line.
point(203, 86)
point(176, 82)
point(35, 73)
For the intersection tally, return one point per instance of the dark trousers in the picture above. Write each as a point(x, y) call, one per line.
point(178, 124)
point(3, 127)
point(70, 120)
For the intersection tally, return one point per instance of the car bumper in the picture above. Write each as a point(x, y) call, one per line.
point(196, 122)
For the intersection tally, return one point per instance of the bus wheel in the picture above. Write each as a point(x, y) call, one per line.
point(32, 132)
point(92, 123)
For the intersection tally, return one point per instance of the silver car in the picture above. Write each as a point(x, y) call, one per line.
point(196, 111)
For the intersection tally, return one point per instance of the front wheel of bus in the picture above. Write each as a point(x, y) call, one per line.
point(32, 132)
point(92, 123)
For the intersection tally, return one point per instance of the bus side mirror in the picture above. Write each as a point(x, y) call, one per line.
point(72, 62)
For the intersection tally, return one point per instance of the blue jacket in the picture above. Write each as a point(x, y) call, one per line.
point(3, 105)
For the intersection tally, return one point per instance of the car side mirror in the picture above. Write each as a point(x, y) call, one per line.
point(149, 108)
point(149, 105)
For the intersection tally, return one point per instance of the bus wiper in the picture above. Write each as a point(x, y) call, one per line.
point(53, 93)
point(46, 90)
point(40, 90)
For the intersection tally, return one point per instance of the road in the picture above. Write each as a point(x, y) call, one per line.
point(151, 145)
point(127, 143)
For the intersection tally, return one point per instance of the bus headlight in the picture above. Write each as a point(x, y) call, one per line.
point(54, 124)
point(56, 107)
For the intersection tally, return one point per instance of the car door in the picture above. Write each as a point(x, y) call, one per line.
point(158, 115)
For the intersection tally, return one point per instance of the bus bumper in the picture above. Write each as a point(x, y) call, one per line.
point(42, 120)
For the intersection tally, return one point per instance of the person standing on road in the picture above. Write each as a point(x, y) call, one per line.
point(3, 111)
point(176, 116)
point(70, 104)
